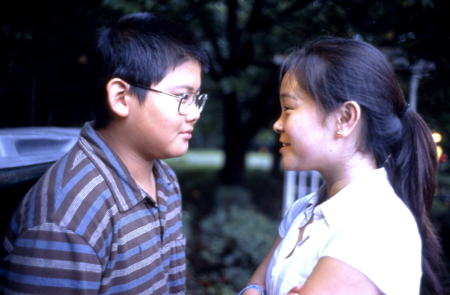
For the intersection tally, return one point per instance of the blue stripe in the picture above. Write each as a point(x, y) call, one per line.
point(92, 211)
point(176, 283)
point(173, 257)
point(106, 244)
point(113, 161)
point(173, 198)
point(132, 217)
point(60, 197)
point(53, 282)
point(60, 174)
point(133, 251)
point(177, 256)
point(13, 225)
point(32, 204)
point(173, 228)
point(124, 221)
point(164, 184)
point(50, 245)
point(162, 208)
point(170, 172)
point(135, 283)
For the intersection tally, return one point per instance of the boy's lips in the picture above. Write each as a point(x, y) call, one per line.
point(187, 133)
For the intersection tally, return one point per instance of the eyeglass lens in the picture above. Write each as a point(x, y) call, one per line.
point(189, 99)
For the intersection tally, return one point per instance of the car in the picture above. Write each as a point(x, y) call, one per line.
point(25, 154)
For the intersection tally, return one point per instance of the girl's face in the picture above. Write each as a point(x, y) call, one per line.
point(306, 134)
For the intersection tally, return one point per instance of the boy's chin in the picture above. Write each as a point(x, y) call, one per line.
point(177, 154)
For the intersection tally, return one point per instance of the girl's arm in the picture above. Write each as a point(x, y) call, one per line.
point(259, 276)
point(332, 276)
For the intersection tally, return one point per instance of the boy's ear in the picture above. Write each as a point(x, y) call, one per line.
point(118, 97)
point(349, 114)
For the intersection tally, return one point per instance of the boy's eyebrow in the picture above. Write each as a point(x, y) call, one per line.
point(188, 88)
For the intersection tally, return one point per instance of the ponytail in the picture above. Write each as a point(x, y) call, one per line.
point(412, 173)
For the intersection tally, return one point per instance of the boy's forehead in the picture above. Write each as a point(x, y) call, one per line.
point(186, 63)
point(186, 75)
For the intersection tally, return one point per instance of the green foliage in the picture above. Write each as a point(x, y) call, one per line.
point(46, 57)
point(244, 37)
point(236, 236)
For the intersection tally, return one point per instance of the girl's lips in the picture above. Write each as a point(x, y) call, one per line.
point(284, 146)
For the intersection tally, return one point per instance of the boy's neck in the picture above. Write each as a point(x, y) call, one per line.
point(141, 169)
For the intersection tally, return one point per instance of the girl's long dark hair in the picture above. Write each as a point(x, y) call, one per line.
point(335, 70)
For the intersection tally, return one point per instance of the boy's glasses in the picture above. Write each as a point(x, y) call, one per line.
point(186, 99)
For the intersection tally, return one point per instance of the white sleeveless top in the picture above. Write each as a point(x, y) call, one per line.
point(365, 225)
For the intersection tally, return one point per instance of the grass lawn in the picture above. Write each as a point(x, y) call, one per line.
point(214, 159)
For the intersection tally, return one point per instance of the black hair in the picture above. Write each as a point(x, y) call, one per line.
point(335, 70)
point(140, 49)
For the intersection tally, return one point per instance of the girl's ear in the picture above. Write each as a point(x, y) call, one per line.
point(349, 114)
point(118, 97)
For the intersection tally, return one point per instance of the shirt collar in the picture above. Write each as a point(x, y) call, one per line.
point(123, 187)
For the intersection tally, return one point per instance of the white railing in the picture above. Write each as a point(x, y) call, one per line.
point(299, 184)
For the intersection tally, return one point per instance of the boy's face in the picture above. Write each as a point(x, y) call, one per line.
point(159, 130)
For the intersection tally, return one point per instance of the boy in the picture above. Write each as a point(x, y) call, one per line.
point(106, 218)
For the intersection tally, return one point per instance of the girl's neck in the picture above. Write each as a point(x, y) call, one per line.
point(346, 173)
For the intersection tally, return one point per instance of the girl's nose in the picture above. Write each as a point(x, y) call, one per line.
point(278, 126)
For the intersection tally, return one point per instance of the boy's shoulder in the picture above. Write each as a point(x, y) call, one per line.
point(70, 182)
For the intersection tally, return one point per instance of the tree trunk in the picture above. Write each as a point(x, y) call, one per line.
point(237, 141)
point(233, 172)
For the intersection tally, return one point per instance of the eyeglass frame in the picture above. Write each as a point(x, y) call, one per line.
point(196, 98)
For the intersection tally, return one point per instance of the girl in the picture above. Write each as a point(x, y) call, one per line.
point(367, 230)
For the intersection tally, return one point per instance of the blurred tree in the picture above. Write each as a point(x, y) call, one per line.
point(246, 41)
point(45, 56)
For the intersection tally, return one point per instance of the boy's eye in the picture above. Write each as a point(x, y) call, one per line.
point(187, 97)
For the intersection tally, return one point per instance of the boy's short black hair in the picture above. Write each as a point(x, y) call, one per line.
point(141, 48)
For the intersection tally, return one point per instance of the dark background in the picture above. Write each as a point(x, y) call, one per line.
point(46, 57)
point(45, 63)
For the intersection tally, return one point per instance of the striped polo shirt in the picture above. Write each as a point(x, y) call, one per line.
point(87, 228)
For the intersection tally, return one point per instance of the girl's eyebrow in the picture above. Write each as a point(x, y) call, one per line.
point(287, 95)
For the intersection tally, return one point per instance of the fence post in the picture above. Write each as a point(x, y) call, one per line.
point(298, 184)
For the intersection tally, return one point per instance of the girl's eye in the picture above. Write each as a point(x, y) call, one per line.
point(286, 108)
